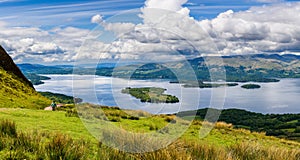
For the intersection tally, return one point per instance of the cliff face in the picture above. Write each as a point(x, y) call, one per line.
point(7, 64)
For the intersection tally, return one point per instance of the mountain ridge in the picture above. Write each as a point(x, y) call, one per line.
point(15, 90)
point(238, 68)
point(8, 65)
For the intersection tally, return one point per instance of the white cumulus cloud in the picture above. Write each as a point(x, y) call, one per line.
point(166, 31)
point(97, 19)
point(257, 30)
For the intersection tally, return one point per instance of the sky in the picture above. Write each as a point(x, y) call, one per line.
point(65, 31)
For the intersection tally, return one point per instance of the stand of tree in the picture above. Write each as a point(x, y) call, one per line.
point(250, 86)
point(36, 79)
point(61, 98)
point(151, 94)
point(279, 125)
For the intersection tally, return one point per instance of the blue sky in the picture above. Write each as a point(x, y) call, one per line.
point(77, 13)
point(56, 31)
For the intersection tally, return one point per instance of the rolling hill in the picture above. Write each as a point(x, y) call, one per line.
point(15, 90)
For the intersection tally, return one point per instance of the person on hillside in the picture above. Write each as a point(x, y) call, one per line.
point(53, 106)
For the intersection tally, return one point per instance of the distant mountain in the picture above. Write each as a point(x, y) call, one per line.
point(265, 61)
point(15, 90)
point(239, 68)
point(42, 69)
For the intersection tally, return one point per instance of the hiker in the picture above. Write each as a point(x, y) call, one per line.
point(53, 105)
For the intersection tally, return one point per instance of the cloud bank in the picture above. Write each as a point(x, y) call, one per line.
point(167, 31)
point(266, 29)
point(25, 43)
point(259, 29)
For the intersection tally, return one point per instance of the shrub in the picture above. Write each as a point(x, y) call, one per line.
point(223, 125)
point(8, 128)
point(152, 127)
point(297, 130)
point(134, 118)
point(124, 117)
point(170, 119)
point(248, 151)
point(132, 142)
point(142, 114)
point(64, 147)
point(29, 142)
point(114, 119)
point(71, 113)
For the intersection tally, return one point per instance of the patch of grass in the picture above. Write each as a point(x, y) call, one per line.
point(71, 113)
point(64, 147)
point(39, 145)
point(52, 135)
point(8, 128)
point(46, 121)
point(15, 94)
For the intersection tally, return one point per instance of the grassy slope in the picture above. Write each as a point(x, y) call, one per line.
point(46, 121)
point(279, 125)
point(15, 94)
point(223, 135)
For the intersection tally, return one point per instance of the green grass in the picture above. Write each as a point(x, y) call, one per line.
point(15, 94)
point(45, 121)
point(54, 130)
point(293, 121)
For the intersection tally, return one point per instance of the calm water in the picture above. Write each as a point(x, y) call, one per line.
point(281, 97)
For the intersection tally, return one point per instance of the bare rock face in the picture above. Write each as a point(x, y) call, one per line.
point(8, 65)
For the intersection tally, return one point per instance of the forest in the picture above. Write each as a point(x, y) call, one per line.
point(279, 125)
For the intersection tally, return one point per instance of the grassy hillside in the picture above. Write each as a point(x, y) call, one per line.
point(15, 90)
point(280, 125)
point(54, 135)
point(7, 64)
point(16, 94)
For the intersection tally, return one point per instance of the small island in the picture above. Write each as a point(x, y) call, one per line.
point(151, 94)
point(201, 84)
point(250, 86)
